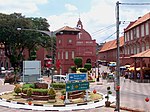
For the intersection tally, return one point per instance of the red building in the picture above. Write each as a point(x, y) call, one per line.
point(4, 61)
point(137, 38)
point(134, 49)
point(74, 42)
point(108, 52)
point(137, 45)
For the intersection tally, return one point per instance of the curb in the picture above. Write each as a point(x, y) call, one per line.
point(45, 107)
point(128, 109)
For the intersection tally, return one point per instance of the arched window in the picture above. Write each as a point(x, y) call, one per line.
point(88, 60)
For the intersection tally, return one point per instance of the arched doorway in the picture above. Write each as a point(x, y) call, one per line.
point(88, 60)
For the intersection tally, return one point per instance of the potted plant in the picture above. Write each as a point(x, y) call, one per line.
point(51, 93)
point(107, 103)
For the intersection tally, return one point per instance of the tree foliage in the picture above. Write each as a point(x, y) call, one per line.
point(15, 41)
point(88, 66)
point(78, 62)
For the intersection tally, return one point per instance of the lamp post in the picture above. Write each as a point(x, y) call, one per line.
point(42, 31)
point(47, 33)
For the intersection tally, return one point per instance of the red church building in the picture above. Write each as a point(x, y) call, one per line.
point(74, 42)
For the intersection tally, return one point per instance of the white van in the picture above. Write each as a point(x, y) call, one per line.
point(59, 78)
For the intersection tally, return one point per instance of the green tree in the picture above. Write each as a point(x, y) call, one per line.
point(78, 62)
point(13, 42)
point(16, 41)
point(88, 66)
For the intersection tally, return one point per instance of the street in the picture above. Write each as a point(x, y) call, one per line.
point(133, 95)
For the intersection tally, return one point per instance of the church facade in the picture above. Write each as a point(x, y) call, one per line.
point(74, 42)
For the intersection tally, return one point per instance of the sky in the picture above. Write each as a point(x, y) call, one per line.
point(98, 16)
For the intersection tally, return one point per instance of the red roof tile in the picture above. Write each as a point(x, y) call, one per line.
point(139, 21)
point(67, 28)
point(144, 54)
point(112, 44)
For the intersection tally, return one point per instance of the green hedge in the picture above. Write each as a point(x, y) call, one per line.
point(40, 90)
point(36, 90)
point(58, 85)
point(28, 86)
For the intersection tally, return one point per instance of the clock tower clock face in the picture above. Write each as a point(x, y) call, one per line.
point(79, 26)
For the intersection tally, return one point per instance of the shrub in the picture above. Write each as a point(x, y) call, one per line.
point(52, 93)
point(83, 70)
point(58, 85)
point(29, 92)
point(40, 91)
point(73, 68)
point(63, 92)
point(17, 89)
point(28, 86)
point(78, 61)
point(88, 66)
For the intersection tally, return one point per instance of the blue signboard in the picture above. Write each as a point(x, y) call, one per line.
point(77, 86)
point(77, 77)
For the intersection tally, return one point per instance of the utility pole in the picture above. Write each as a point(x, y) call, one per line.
point(118, 60)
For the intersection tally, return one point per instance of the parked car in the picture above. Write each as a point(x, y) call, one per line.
point(110, 77)
point(59, 78)
point(3, 71)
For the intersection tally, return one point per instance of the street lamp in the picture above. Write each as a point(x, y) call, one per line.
point(42, 31)
point(45, 32)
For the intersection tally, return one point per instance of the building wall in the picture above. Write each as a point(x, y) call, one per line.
point(137, 39)
point(66, 50)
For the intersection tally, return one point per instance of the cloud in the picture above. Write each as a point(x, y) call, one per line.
point(25, 6)
point(100, 15)
point(70, 7)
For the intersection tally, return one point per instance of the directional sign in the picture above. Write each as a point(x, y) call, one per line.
point(77, 86)
point(77, 77)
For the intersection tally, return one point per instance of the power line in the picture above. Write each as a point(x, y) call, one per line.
point(104, 29)
point(134, 3)
point(109, 36)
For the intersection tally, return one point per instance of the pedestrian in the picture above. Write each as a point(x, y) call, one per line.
point(47, 71)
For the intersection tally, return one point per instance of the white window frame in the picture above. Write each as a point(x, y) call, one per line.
point(147, 45)
point(62, 55)
point(66, 55)
point(131, 34)
point(147, 28)
point(142, 30)
point(72, 54)
point(137, 32)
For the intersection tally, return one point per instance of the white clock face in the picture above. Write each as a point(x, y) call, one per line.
point(79, 26)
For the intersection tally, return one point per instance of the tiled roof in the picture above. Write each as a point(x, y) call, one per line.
point(144, 54)
point(112, 44)
point(139, 21)
point(67, 28)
